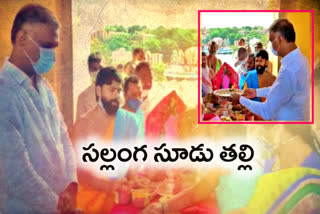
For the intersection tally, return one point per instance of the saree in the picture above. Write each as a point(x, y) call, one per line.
point(218, 79)
point(169, 108)
point(285, 190)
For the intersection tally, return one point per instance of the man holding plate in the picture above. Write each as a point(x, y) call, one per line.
point(288, 99)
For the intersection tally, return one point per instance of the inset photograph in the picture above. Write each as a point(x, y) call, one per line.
point(255, 66)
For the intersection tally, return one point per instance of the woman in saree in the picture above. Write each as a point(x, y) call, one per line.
point(225, 78)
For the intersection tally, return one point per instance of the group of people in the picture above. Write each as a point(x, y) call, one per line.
point(39, 173)
point(252, 70)
point(285, 98)
point(38, 168)
point(114, 113)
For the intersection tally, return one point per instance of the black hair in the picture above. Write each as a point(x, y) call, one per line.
point(94, 57)
point(211, 43)
point(263, 54)
point(251, 55)
point(285, 28)
point(242, 49)
point(203, 54)
point(259, 44)
point(32, 13)
point(107, 76)
point(131, 79)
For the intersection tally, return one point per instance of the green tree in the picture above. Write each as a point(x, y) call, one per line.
point(119, 28)
point(264, 39)
point(103, 48)
point(160, 32)
point(185, 39)
point(158, 72)
point(119, 41)
point(135, 28)
point(152, 44)
point(167, 47)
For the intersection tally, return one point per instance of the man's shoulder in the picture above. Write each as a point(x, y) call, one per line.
point(86, 117)
point(89, 91)
point(8, 92)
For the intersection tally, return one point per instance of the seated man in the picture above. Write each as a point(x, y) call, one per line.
point(258, 78)
point(250, 65)
point(109, 123)
point(226, 78)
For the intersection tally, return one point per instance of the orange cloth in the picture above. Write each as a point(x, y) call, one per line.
point(90, 200)
point(108, 136)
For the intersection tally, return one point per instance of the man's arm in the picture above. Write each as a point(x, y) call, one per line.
point(68, 151)
point(85, 176)
point(18, 176)
point(280, 93)
point(263, 92)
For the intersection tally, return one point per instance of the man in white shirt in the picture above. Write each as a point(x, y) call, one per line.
point(206, 76)
point(288, 99)
point(36, 158)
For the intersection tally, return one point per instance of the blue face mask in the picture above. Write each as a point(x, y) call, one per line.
point(46, 60)
point(273, 50)
point(134, 104)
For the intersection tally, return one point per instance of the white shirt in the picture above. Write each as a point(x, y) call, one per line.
point(241, 67)
point(288, 99)
point(205, 74)
point(36, 157)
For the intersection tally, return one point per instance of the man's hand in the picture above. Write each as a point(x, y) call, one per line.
point(250, 93)
point(154, 208)
point(235, 98)
point(67, 200)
